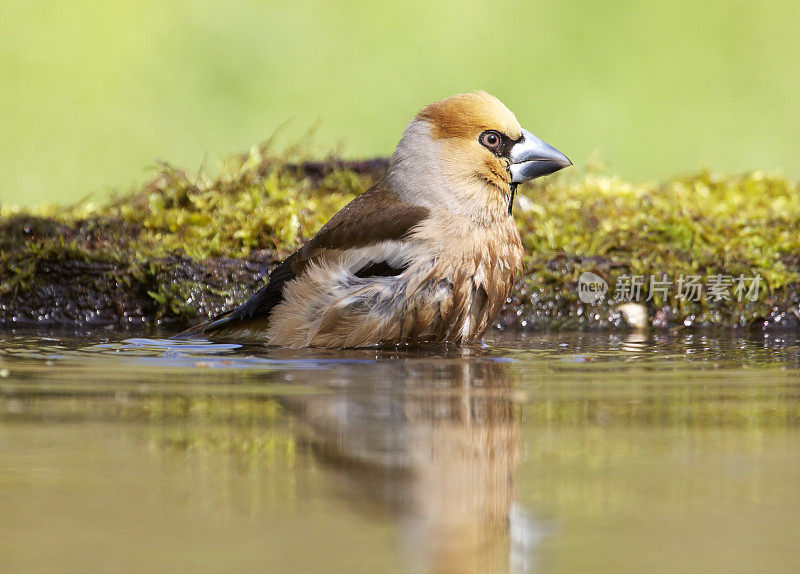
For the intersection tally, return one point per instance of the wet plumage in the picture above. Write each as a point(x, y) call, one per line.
point(428, 254)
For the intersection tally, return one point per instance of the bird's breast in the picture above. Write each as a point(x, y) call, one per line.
point(447, 282)
point(478, 263)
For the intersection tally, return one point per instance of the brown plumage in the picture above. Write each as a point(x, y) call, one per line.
point(428, 254)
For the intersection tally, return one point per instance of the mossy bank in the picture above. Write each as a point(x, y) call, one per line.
point(702, 250)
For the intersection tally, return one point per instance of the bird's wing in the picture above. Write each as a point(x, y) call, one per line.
point(376, 215)
point(262, 302)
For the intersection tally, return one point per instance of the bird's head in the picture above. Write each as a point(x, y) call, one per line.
point(467, 153)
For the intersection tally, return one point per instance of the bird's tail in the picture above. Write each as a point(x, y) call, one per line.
point(205, 328)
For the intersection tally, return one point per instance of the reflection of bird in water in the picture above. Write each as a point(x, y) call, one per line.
point(427, 254)
point(438, 447)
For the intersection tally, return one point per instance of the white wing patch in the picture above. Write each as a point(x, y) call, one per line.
point(328, 301)
point(398, 254)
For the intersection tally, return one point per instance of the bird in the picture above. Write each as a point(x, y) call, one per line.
point(427, 255)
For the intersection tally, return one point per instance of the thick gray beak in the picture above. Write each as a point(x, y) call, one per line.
point(531, 157)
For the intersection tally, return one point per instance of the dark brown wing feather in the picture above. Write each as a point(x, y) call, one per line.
point(374, 216)
point(263, 301)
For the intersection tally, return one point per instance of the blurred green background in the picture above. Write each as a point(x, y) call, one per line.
point(93, 92)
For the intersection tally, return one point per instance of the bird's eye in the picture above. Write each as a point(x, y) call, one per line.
point(490, 139)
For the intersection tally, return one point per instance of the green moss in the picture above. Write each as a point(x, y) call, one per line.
point(701, 225)
point(188, 245)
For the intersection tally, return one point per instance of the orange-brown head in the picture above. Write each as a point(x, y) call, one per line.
point(466, 153)
point(465, 116)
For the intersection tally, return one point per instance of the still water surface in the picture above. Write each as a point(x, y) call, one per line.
point(552, 453)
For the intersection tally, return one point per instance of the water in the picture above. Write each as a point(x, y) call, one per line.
point(558, 453)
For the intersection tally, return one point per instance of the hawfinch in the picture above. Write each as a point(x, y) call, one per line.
point(428, 254)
